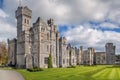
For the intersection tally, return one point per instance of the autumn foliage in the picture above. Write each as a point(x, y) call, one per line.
point(3, 53)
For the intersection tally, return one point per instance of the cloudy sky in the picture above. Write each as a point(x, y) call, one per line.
point(87, 23)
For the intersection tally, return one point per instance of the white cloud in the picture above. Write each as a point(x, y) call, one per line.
point(2, 14)
point(108, 25)
point(114, 15)
point(69, 12)
point(89, 37)
point(6, 29)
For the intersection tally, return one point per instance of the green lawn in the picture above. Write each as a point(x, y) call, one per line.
point(112, 73)
point(78, 73)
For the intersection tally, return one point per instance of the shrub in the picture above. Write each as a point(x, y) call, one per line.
point(50, 61)
point(30, 69)
point(35, 69)
point(71, 66)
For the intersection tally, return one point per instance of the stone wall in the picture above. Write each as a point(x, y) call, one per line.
point(12, 50)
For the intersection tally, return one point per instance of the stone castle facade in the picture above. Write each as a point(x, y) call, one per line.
point(34, 43)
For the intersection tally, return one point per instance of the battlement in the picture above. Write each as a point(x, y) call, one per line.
point(50, 22)
point(12, 40)
point(23, 11)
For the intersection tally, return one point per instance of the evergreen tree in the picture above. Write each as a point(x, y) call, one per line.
point(70, 55)
point(50, 61)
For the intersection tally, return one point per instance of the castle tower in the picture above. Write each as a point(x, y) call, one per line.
point(91, 55)
point(57, 48)
point(54, 43)
point(62, 52)
point(81, 55)
point(12, 44)
point(110, 53)
point(77, 53)
point(23, 16)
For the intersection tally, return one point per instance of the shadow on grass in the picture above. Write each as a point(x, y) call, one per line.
point(114, 66)
point(89, 74)
point(75, 77)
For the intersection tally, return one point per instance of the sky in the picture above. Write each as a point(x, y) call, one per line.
point(87, 23)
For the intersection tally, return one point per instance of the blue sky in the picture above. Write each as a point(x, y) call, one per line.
point(87, 23)
point(1, 3)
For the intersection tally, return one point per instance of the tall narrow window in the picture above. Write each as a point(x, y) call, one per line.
point(46, 60)
point(63, 61)
point(47, 36)
point(47, 48)
point(27, 21)
point(73, 60)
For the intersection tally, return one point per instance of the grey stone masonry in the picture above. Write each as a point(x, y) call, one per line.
point(35, 42)
point(23, 16)
point(12, 50)
point(110, 53)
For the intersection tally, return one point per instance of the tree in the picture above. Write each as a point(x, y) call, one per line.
point(117, 56)
point(50, 61)
point(3, 53)
point(70, 57)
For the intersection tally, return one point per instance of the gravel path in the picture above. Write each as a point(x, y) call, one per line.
point(10, 75)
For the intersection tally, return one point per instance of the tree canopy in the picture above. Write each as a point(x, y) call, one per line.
point(3, 53)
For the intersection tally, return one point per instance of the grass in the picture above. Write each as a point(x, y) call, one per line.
point(78, 73)
point(99, 72)
point(111, 73)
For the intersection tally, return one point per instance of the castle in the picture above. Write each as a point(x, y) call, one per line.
point(33, 45)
